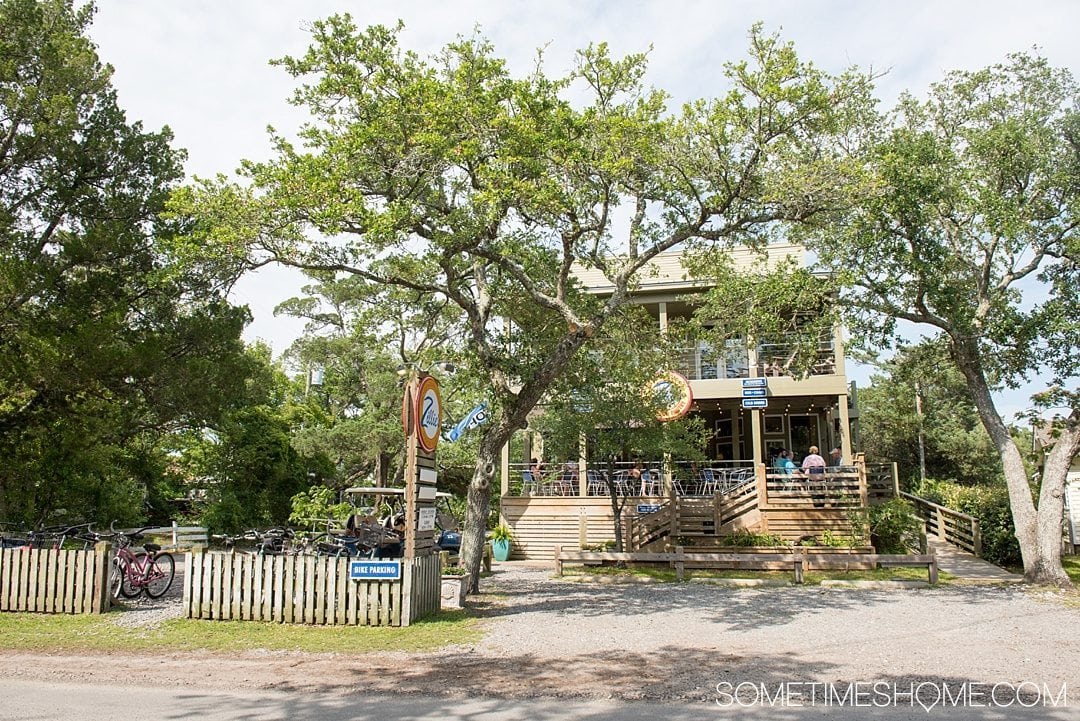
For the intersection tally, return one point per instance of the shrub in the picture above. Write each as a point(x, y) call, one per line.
point(747, 539)
point(892, 527)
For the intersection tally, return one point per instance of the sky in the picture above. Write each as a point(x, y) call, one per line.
point(202, 66)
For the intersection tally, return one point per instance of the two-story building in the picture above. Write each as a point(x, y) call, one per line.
point(743, 391)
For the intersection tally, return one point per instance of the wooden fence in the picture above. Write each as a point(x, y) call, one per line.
point(957, 528)
point(796, 559)
point(306, 589)
point(55, 581)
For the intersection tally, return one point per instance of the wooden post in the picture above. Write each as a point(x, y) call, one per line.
point(896, 480)
point(797, 559)
point(102, 563)
point(558, 561)
point(762, 484)
point(932, 569)
point(976, 536)
point(680, 565)
point(583, 529)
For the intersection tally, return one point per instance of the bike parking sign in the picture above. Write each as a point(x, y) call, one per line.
point(368, 570)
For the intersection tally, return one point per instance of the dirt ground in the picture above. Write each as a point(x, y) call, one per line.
point(553, 638)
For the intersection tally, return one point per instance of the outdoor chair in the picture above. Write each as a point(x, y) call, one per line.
point(529, 486)
point(595, 484)
point(650, 483)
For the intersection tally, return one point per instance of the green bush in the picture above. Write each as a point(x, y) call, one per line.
point(892, 527)
point(990, 505)
point(748, 539)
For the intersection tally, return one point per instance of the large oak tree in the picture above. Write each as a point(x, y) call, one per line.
point(452, 177)
point(970, 226)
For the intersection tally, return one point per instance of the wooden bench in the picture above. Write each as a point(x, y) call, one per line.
point(796, 561)
point(835, 562)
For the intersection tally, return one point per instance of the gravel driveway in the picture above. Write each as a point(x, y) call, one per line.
point(556, 638)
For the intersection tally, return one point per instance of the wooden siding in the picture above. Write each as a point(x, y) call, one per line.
point(54, 581)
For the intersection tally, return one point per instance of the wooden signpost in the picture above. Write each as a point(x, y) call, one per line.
point(421, 417)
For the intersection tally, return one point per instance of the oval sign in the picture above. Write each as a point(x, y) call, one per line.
point(673, 392)
point(428, 413)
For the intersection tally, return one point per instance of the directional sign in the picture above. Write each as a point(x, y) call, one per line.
point(644, 508)
point(755, 383)
point(754, 392)
point(426, 519)
point(378, 570)
point(755, 402)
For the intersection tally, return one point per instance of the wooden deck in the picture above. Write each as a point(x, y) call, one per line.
point(792, 507)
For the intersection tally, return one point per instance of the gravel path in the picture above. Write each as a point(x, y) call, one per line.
point(555, 638)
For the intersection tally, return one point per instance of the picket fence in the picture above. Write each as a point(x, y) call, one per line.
point(50, 580)
point(306, 590)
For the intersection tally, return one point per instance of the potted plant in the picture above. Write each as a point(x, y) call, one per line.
point(454, 585)
point(501, 536)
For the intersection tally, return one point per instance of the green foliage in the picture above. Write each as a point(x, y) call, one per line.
point(109, 341)
point(988, 504)
point(317, 505)
point(748, 539)
point(957, 446)
point(502, 532)
point(892, 527)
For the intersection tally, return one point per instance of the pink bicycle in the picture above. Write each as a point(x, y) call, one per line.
point(134, 570)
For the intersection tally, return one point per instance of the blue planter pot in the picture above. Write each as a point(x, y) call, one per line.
point(500, 550)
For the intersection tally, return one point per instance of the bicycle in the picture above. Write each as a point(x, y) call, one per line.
point(149, 570)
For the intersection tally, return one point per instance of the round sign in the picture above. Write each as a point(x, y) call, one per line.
point(428, 413)
point(672, 391)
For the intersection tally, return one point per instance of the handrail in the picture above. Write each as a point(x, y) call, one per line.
point(950, 525)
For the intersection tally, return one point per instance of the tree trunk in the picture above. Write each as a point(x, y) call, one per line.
point(478, 501)
point(1038, 531)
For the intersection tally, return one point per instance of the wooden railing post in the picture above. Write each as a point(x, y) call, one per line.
point(976, 537)
point(797, 559)
point(762, 486)
point(558, 561)
point(896, 480)
point(680, 564)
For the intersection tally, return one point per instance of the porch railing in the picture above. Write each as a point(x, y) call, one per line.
point(650, 480)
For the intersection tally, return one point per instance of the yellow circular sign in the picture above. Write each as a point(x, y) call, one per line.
point(672, 390)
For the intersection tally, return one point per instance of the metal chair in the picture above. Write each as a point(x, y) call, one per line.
point(650, 483)
point(595, 484)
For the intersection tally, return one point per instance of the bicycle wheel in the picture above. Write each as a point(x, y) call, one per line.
point(159, 575)
point(117, 577)
point(132, 577)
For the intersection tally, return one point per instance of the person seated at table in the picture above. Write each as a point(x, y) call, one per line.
point(813, 463)
point(836, 458)
point(634, 477)
point(783, 462)
point(536, 468)
point(568, 478)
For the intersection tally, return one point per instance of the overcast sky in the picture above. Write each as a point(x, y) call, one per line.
point(201, 66)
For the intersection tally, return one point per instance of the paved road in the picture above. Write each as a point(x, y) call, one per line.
point(36, 701)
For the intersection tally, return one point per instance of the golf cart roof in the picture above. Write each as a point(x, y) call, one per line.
point(384, 491)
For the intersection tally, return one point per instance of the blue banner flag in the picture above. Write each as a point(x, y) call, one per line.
point(476, 417)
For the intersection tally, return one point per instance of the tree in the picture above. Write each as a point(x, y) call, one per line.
point(956, 445)
point(969, 226)
point(108, 339)
point(448, 177)
point(602, 397)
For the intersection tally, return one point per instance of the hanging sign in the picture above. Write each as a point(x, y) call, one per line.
point(475, 418)
point(673, 392)
point(427, 413)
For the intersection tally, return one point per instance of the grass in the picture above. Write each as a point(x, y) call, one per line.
point(665, 574)
point(1072, 567)
point(33, 632)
